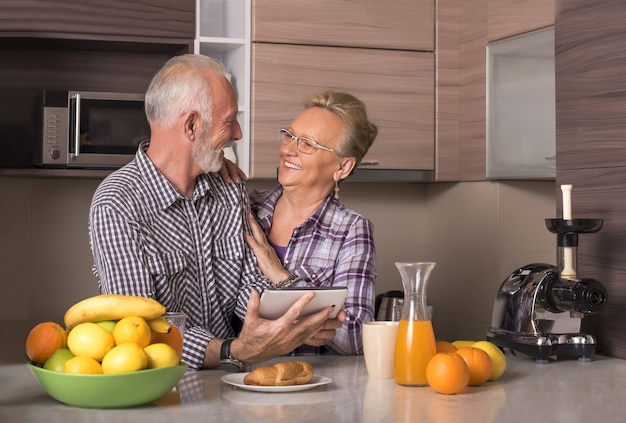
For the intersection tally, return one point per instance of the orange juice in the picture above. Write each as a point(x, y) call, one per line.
point(415, 346)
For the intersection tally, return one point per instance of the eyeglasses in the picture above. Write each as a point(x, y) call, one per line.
point(303, 144)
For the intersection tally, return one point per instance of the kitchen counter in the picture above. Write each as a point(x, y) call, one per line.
point(562, 391)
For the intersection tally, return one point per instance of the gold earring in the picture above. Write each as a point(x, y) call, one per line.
point(336, 190)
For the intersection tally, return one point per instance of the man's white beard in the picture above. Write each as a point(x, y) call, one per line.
point(208, 159)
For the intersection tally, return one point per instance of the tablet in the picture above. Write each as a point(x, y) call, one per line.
point(275, 302)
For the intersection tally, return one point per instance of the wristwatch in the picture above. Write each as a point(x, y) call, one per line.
point(228, 362)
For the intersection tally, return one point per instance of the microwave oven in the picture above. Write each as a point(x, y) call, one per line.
point(84, 129)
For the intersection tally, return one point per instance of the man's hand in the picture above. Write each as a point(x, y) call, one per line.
point(327, 331)
point(262, 339)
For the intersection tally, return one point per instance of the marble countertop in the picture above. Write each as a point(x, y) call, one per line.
point(562, 391)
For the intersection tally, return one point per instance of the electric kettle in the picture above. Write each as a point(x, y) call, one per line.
point(385, 304)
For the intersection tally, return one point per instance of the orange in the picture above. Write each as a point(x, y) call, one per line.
point(498, 360)
point(133, 329)
point(174, 339)
point(447, 373)
point(44, 339)
point(445, 346)
point(478, 363)
point(82, 365)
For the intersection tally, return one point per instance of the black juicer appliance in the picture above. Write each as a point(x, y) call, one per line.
point(539, 307)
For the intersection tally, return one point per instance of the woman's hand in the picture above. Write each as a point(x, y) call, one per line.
point(266, 257)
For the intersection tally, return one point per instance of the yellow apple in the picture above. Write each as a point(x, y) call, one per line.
point(460, 343)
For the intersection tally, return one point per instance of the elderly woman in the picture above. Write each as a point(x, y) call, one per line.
point(305, 236)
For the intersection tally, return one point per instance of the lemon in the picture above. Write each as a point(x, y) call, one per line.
point(83, 365)
point(161, 355)
point(90, 340)
point(498, 360)
point(123, 358)
point(132, 329)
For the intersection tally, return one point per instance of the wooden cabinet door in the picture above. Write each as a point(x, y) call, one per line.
point(167, 19)
point(394, 24)
point(507, 18)
point(396, 86)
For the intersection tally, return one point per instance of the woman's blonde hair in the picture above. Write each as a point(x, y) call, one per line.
point(360, 132)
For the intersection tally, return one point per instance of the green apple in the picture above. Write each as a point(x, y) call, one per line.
point(107, 324)
point(57, 360)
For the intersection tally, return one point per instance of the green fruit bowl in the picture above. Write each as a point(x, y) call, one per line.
point(109, 391)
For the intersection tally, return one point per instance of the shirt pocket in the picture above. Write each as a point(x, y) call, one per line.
point(317, 275)
point(230, 249)
point(167, 264)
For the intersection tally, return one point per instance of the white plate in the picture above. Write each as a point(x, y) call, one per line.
point(236, 380)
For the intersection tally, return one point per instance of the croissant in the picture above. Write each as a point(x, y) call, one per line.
point(281, 374)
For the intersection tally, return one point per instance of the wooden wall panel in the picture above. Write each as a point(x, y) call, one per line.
point(599, 193)
point(591, 153)
point(591, 85)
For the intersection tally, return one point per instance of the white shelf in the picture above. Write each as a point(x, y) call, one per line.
point(223, 32)
point(223, 43)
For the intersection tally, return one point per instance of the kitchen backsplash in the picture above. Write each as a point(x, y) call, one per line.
point(477, 232)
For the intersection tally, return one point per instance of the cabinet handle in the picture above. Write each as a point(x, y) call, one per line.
point(369, 163)
point(77, 127)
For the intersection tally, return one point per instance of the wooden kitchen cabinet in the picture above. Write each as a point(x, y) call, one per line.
point(507, 18)
point(395, 24)
point(97, 19)
point(396, 86)
point(382, 53)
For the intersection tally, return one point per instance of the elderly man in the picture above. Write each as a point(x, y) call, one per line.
point(163, 227)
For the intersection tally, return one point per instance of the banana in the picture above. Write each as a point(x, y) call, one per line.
point(160, 325)
point(112, 307)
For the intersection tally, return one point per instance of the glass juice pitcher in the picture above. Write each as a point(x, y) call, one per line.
point(415, 341)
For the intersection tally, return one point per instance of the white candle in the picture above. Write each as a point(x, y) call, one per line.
point(568, 252)
point(567, 201)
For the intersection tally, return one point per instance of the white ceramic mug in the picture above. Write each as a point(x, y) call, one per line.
point(379, 343)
